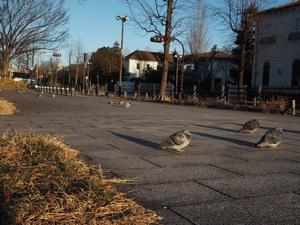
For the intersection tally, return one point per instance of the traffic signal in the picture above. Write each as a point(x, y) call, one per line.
point(56, 54)
point(158, 39)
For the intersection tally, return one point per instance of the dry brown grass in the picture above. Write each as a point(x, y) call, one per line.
point(11, 84)
point(44, 181)
point(6, 108)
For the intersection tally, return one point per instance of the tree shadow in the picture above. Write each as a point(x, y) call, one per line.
point(267, 128)
point(227, 139)
point(216, 128)
point(136, 140)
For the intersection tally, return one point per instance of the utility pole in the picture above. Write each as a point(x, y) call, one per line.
point(123, 20)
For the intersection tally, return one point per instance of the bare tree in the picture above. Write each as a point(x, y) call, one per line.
point(27, 26)
point(165, 18)
point(240, 17)
point(197, 32)
point(79, 48)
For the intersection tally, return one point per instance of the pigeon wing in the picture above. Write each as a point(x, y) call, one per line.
point(250, 125)
point(175, 139)
point(274, 137)
point(178, 138)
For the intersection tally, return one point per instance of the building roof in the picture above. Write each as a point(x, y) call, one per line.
point(146, 56)
point(282, 7)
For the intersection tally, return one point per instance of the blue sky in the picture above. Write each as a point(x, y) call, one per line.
point(94, 23)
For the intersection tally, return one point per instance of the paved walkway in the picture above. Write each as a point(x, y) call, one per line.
point(220, 179)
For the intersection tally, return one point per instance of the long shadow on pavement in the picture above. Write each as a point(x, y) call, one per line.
point(232, 140)
point(284, 130)
point(136, 140)
point(213, 127)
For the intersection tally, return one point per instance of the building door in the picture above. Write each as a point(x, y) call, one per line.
point(266, 74)
point(296, 73)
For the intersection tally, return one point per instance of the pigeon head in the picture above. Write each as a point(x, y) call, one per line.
point(187, 133)
point(278, 129)
point(256, 121)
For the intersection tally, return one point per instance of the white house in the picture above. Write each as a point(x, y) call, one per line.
point(138, 62)
point(277, 54)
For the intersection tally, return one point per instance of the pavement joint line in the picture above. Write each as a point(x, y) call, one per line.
point(291, 160)
point(178, 214)
point(240, 149)
point(266, 195)
point(294, 173)
point(90, 136)
point(226, 169)
point(115, 147)
point(288, 150)
point(230, 156)
point(153, 163)
point(216, 190)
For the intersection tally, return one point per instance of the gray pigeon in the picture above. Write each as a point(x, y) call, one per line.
point(271, 139)
point(177, 141)
point(39, 95)
point(121, 102)
point(127, 104)
point(53, 95)
point(110, 102)
point(250, 127)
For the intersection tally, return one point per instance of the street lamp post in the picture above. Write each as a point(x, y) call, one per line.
point(123, 20)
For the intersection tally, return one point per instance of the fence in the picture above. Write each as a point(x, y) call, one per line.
point(231, 93)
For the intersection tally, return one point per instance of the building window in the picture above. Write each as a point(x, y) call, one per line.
point(296, 73)
point(137, 66)
point(148, 66)
point(298, 24)
point(266, 74)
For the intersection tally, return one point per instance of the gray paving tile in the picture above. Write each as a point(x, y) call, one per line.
point(276, 209)
point(163, 175)
point(170, 218)
point(173, 194)
point(245, 187)
point(263, 167)
point(187, 160)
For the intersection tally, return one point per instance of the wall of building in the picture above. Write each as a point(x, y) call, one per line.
point(274, 29)
point(131, 67)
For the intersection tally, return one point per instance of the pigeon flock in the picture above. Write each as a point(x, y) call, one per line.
point(122, 103)
point(181, 139)
point(272, 138)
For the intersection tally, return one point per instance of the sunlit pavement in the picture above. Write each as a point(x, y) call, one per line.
point(220, 178)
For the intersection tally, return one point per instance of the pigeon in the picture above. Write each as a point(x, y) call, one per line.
point(39, 95)
point(121, 102)
point(250, 127)
point(53, 95)
point(271, 139)
point(110, 102)
point(177, 141)
point(127, 104)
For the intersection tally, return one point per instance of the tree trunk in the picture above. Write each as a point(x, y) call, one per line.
point(5, 65)
point(167, 42)
point(164, 78)
point(242, 68)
